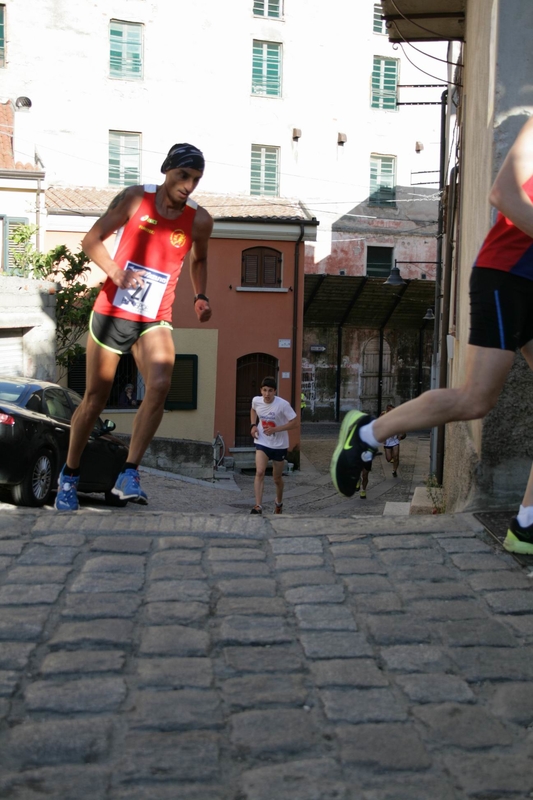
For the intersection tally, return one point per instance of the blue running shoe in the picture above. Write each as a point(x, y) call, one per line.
point(128, 487)
point(67, 497)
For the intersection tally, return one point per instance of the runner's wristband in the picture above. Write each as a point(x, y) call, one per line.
point(253, 425)
point(201, 297)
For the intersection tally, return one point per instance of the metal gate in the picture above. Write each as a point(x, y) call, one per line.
point(11, 352)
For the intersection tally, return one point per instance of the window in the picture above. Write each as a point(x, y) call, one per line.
point(384, 83)
point(265, 170)
point(378, 261)
point(9, 246)
point(56, 404)
point(183, 394)
point(124, 158)
point(126, 373)
point(2, 36)
point(267, 8)
point(379, 24)
point(382, 181)
point(125, 50)
point(266, 69)
point(261, 266)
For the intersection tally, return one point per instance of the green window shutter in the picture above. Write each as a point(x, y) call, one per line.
point(124, 158)
point(2, 36)
point(378, 261)
point(264, 175)
point(9, 266)
point(379, 24)
point(384, 83)
point(382, 181)
point(125, 50)
point(266, 68)
point(183, 394)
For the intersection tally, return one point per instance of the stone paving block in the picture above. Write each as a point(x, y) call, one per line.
point(248, 587)
point(273, 606)
point(61, 540)
point(235, 554)
point(168, 613)
point(57, 741)
point(378, 603)
point(277, 658)
point(517, 601)
point(335, 644)
point(85, 694)
point(166, 757)
point(435, 688)
point(23, 624)
point(410, 558)
point(64, 662)
point(171, 542)
point(181, 709)
point(83, 606)
point(469, 545)
point(360, 672)
point(238, 569)
point(521, 624)
point(368, 584)
point(431, 573)
point(494, 663)
point(173, 640)
point(241, 629)
point(99, 631)
point(176, 557)
point(15, 655)
point(398, 629)
point(4, 709)
point(317, 779)
point(25, 594)
point(465, 726)
point(8, 682)
point(296, 546)
point(278, 731)
point(5, 562)
point(122, 544)
point(447, 609)
point(492, 774)
point(325, 617)
point(514, 701)
point(228, 541)
point(403, 542)
point(11, 548)
point(362, 705)
point(168, 791)
point(482, 563)
point(40, 555)
point(492, 581)
point(470, 633)
point(434, 785)
point(315, 594)
point(35, 575)
point(89, 582)
point(358, 566)
point(87, 782)
point(178, 590)
point(123, 563)
point(306, 577)
point(387, 746)
point(445, 590)
point(298, 562)
point(358, 550)
point(174, 673)
point(416, 658)
point(165, 572)
point(252, 691)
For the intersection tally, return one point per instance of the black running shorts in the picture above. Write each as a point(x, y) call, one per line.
point(501, 309)
point(117, 334)
point(273, 453)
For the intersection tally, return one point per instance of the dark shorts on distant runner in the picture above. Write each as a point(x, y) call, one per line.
point(501, 309)
point(273, 453)
point(117, 334)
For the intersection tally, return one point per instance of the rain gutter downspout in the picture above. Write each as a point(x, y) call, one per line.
point(295, 313)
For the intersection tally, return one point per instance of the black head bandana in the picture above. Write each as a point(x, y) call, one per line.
point(183, 155)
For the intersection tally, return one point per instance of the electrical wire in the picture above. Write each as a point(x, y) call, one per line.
point(412, 22)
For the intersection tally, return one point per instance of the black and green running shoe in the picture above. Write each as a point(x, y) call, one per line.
point(351, 454)
point(519, 539)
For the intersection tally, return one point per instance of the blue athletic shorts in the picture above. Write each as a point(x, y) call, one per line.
point(273, 453)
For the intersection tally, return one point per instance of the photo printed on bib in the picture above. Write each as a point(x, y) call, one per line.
point(143, 300)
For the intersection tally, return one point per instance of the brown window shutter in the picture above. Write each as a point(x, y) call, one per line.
point(270, 270)
point(250, 276)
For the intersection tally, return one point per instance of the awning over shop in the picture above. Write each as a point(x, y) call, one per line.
point(424, 20)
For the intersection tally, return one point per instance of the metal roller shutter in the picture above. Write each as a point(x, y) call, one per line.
point(11, 352)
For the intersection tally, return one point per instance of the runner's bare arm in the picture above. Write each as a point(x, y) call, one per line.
point(507, 194)
point(202, 228)
point(120, 210)
point(289, 426)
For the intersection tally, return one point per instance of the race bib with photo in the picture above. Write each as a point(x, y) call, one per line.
point(143, 300)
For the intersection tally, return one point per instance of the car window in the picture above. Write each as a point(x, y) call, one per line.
point(75, 399)
point(11, 391)
point(57, 405)
point(35, 402)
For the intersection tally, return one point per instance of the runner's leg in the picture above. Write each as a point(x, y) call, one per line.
point(261, 462)
point(277, 473)
point(527, 352)
point(388, 453)
point(395, 457)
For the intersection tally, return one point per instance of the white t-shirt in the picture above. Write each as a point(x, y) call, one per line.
point(278, 412)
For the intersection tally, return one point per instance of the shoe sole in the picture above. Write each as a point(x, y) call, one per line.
point(515, 545)
point(133, 498)
point(344, 482)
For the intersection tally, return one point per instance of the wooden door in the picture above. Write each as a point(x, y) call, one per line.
point(251, 369)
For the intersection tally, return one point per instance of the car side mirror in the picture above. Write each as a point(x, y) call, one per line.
point(108, 426)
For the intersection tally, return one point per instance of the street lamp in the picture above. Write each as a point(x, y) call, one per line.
point(394, 279)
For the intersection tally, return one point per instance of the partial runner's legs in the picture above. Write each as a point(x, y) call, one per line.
point(392, 454)
point(277, 473)
point(261, 462)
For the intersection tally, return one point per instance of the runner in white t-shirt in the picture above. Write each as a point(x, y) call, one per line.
point(271, 418)
point(392, 446)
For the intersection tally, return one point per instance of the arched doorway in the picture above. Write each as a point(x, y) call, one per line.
point(251, 369)
point(370, 376)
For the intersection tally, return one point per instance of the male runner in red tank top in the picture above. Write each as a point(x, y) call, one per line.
point(501, 322)
point(156, 227)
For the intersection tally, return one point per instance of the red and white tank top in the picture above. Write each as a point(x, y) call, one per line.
point(156, 246)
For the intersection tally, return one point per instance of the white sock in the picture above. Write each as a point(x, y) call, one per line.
point(525, 516)
point(366, 434)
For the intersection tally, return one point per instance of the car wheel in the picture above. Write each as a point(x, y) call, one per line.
point(36, 488)
point(112, 500)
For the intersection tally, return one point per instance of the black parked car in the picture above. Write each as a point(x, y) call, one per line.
point(34, 434)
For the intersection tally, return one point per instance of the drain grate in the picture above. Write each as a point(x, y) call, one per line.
point(496, 523)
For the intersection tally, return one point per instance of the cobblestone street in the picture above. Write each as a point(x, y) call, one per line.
point(158, 656)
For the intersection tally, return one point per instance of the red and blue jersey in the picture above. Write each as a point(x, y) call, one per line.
point(506, 247)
